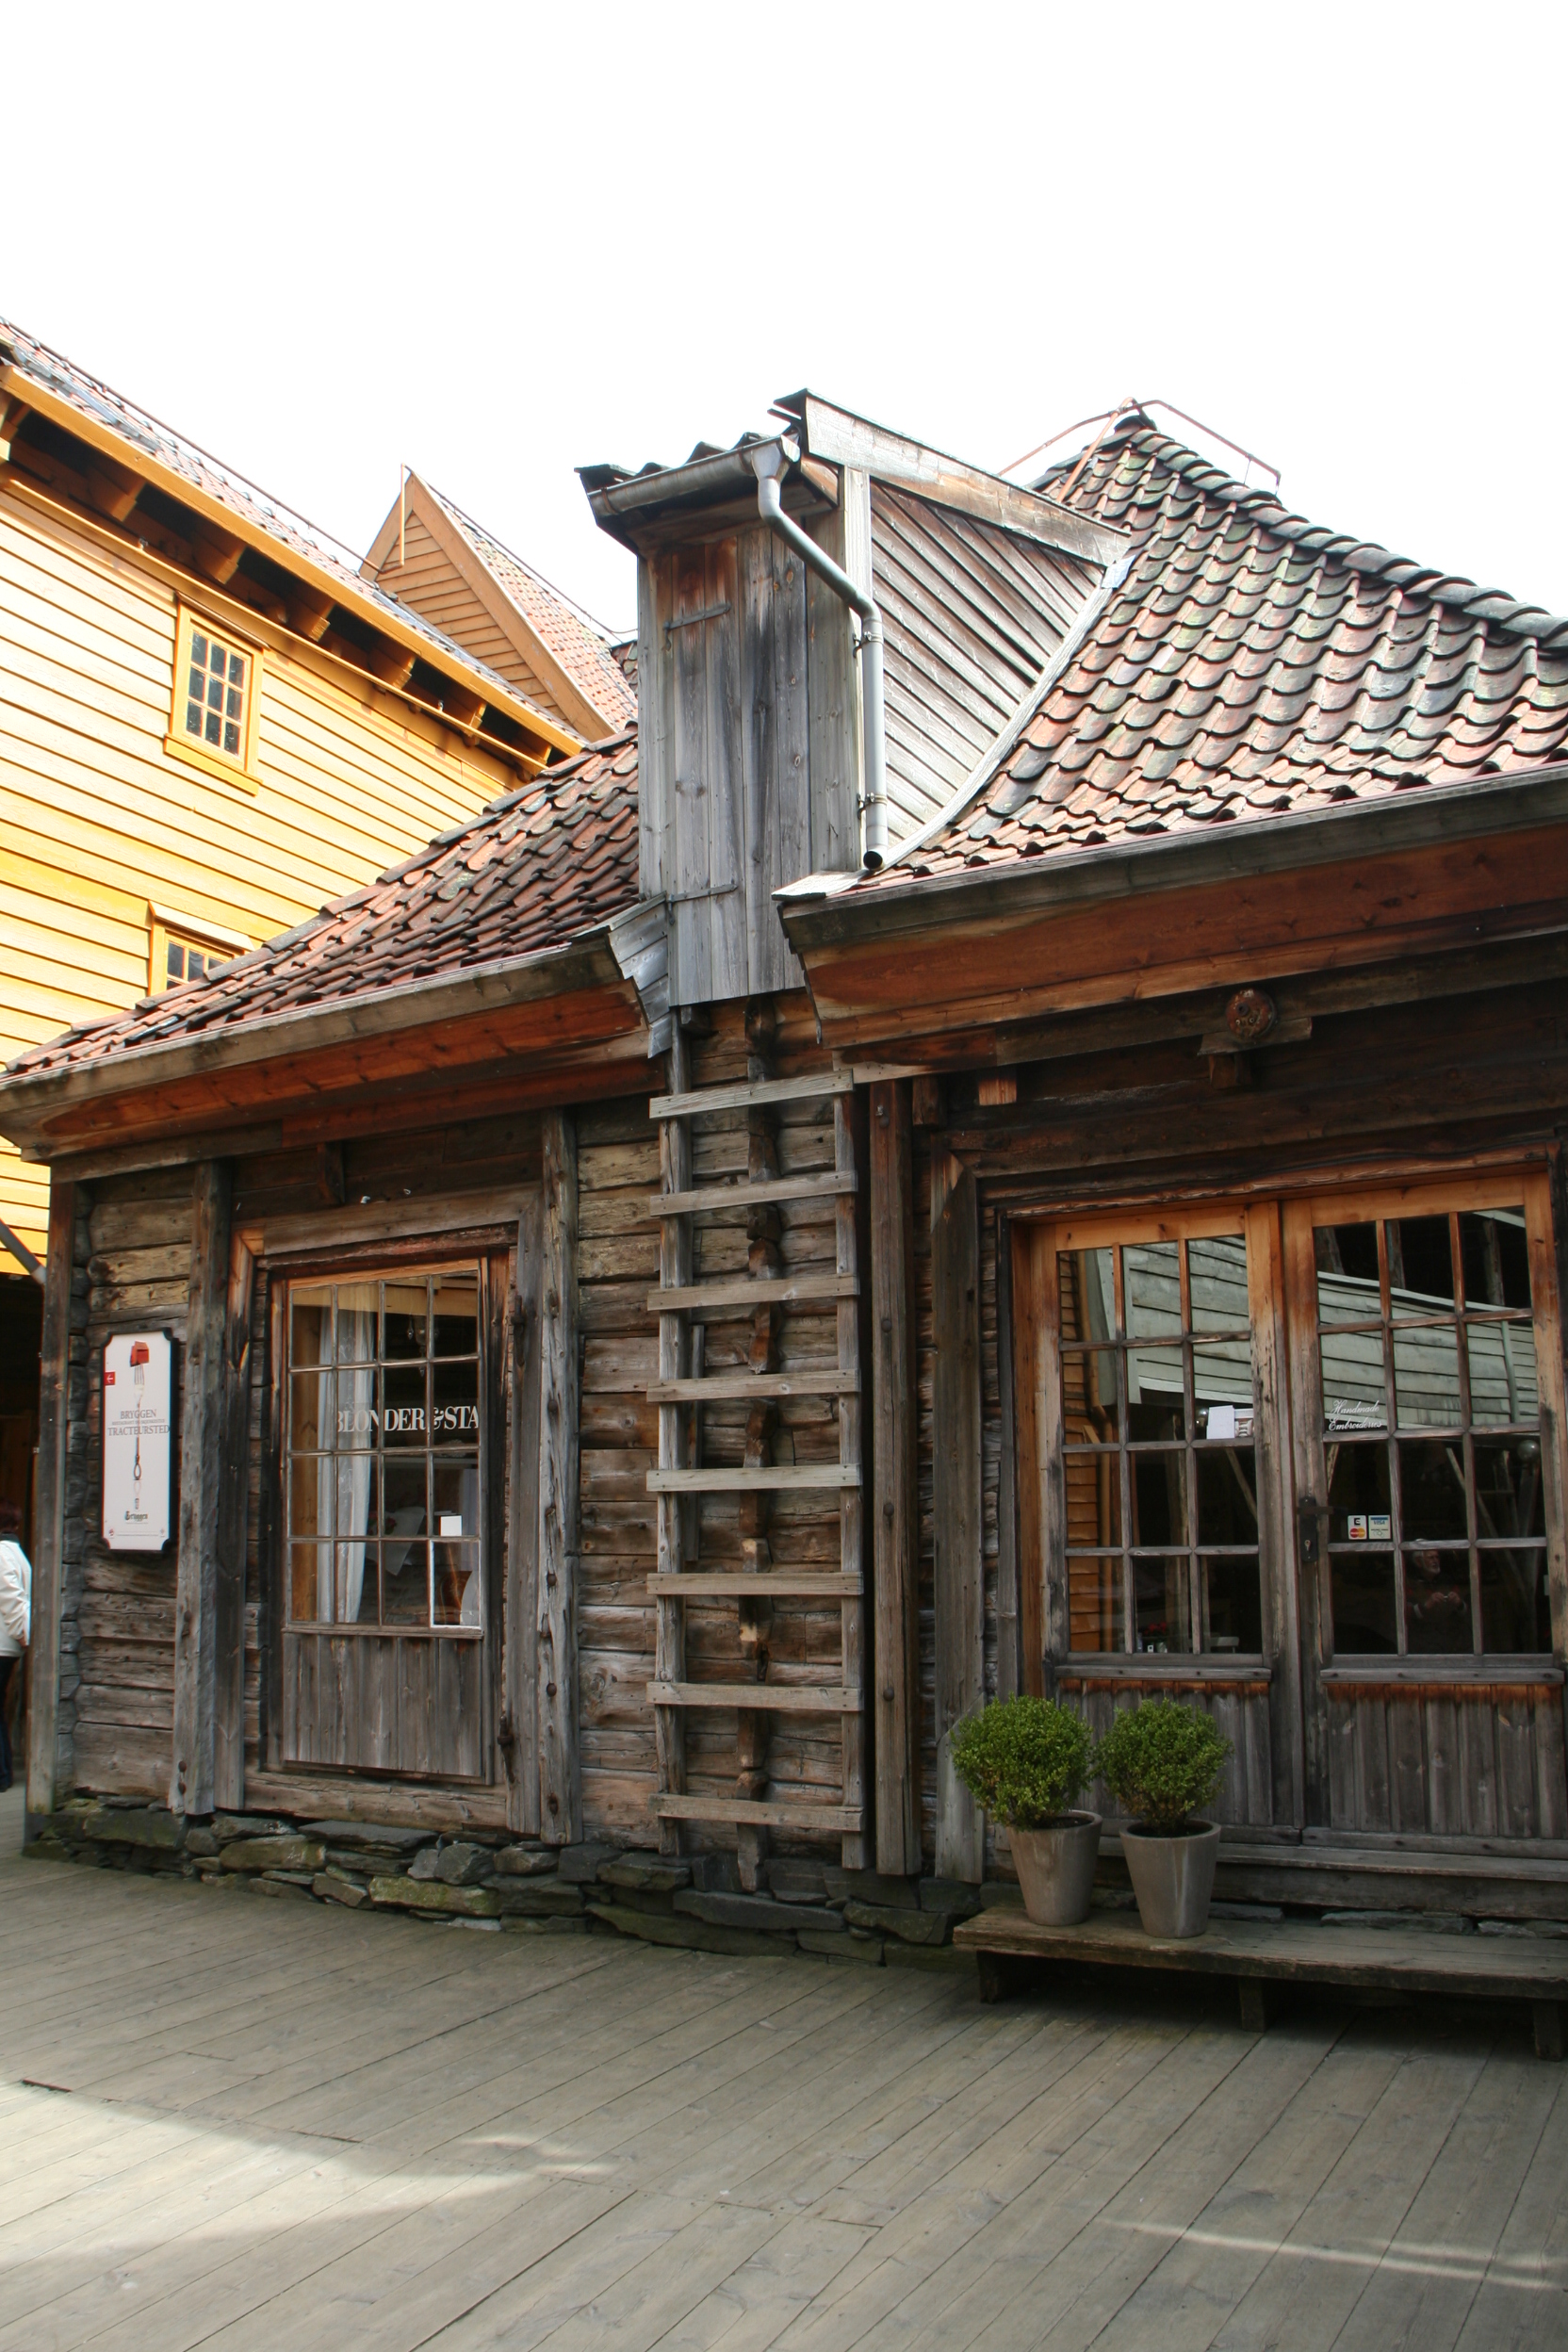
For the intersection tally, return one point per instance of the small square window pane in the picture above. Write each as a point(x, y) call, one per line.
point(1420, 1265)
point(214, 729)
point(1087, 1290)
point(237, 669)
point(404, 1407)
point(310, 1584)
point(1347, 1286)
point(455, 1418)
point(193, 718)
point(1503, 1386)
point(1156, 1400)
point(215, 694)
point(404, 1498)
point(404, 1309)
point(234, 703)
point(456, 1326)
point(219, 659)
point(1089, 1412)
point(176, 960)
point(456, 1485)
point(1365, 1625)
point(310, 1415)
point(1355, 1391)
point(1509, 1498)
point(310, 1325)
point(405, 1583)
point(1425, 1375)
point(1359, 1507)
point(1437, 1603)
point(1216, 1283)
point(1516, 1610)
point(358, 1585)
point(1222, 1376)
point(1162, 1604)
point(1160, 1498)
point(198, 648)
point(355, 1429)
point(198, 685)
point(1228, 1496)
point(312, 1495)
point(1232, 1605)
point(1093, 1498)
point(1432, 1493)
point(1094, 1602)
point(1151, 1279)
point(195, 964)
point(231, 736)
point(455, 1585)
point(1495, 1257)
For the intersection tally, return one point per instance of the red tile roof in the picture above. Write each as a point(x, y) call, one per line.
point(1250, 664)
point(583, 649)
point(528, 874)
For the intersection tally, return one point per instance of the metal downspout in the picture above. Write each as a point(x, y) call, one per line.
point(768, 460)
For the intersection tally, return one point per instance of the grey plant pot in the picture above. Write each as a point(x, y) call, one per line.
point(1172, 1877)
point(1055, 1868)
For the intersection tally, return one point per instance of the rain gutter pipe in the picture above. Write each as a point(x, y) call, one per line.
point(768, 460)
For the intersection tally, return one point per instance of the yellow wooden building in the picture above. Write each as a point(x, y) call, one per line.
point(213, 721)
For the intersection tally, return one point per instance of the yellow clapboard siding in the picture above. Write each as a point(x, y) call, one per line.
point(97, 821)
point(431, 583)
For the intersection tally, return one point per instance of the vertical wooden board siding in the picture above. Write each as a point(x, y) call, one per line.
point(1322, 1796)
point(45, 1778)
point(1547, 1232)
point(1245, 1798)
point(204, 1427)
point(560, 1784)
point(652, 779)
point(719, 641)
point(958, 1536)
point(234, 1504)
point(691, 878)
point(521, 1607)
point(1276, 1505)
point(895, 1486)
point(1009, 1627)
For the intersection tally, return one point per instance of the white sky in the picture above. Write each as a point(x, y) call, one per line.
point(502, 241)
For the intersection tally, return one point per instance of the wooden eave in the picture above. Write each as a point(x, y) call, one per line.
point(1445, 869)
point(563, 1007)
point(232, 524)
point(837, 438)
point(514, 623)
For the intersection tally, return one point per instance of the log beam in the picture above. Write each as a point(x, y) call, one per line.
point(895, 1532)
point(958, 1563)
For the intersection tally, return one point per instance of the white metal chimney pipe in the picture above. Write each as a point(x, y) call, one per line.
point(768, 460)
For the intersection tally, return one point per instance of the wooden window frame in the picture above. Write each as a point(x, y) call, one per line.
point(169, 923)
point(1426, 1198)
point(229, 768)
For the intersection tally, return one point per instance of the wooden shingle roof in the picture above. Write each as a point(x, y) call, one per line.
point(1251, 664)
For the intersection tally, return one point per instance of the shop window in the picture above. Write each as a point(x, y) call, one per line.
point(382, 1471)
point(1158, 1421)
point(1431, 1430)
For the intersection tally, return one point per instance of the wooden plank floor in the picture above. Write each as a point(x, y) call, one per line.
point(233, 2122)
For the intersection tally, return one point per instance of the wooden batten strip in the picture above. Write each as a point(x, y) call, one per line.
point(743, 1096)
point(709, 1197)
point(829, 1381)
point(776, 1698)
point(700, 1584)
point(845, 1819)
point(782, 1477)
point(787, 1291)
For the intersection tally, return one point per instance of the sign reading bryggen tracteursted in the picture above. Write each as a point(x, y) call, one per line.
point(138, 1367)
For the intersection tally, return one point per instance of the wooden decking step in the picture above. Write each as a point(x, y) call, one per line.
point(788, 1290)
point(744, 1094)
point(715, 1387)
point(759, 1698)
point(723, 1584)
point(769, 1478)
point(828, 1184)
point(847, 1820)
point(1263, 1955)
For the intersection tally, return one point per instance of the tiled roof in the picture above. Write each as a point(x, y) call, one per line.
point(530, 872)
point(1251, 664)
point(288, 530)
point(583, 651)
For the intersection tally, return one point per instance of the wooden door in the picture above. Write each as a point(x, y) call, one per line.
point(1427, 1380)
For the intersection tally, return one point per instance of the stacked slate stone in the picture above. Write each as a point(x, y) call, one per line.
point(487, 1879)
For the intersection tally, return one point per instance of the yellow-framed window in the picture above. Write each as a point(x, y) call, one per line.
point(179, 950)
point(212, 717)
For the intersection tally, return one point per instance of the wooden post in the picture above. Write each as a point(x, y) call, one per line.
point(43, 1664)
point(1008, 1678)
point(228, 1727)
point(959, 1566)
point(519, 1725)
point(855, 1848)
point(675, 1270)
point(1041, 1525)
point(559, 1775)
point(191, 1780)
point(1276, 1497)
point(896, 1524)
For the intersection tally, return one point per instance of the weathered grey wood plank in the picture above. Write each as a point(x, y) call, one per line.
point(44, 1782)
point(957, 1536)
point(896, 1514)
point(561, 1780)
point(204, 1427)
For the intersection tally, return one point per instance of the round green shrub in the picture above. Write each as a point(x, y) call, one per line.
point(1161, 1761)
point(1024, 1759)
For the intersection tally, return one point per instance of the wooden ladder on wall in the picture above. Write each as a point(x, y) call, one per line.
point(766, 1295)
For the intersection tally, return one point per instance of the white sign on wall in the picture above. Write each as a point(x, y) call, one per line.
point(138, 1390)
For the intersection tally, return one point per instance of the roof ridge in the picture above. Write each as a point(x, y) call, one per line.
point(578, 611)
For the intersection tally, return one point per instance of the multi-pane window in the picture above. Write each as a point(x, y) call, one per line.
point(1431, 1435)
point(213, 716)
point(383, 1471)
point(1158, 1413)
point(184, 960)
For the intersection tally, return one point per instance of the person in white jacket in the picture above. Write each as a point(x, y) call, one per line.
point(16, 1614)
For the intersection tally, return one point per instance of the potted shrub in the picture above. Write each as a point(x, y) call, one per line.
point(1161, 1761)
point(1026, 1761)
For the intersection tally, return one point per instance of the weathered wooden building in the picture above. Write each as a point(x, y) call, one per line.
point(1006, 1137)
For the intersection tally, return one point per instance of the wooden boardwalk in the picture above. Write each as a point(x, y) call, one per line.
point(231, 2122)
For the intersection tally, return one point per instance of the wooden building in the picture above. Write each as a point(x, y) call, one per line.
point(671, 1316)
point(144, 834)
